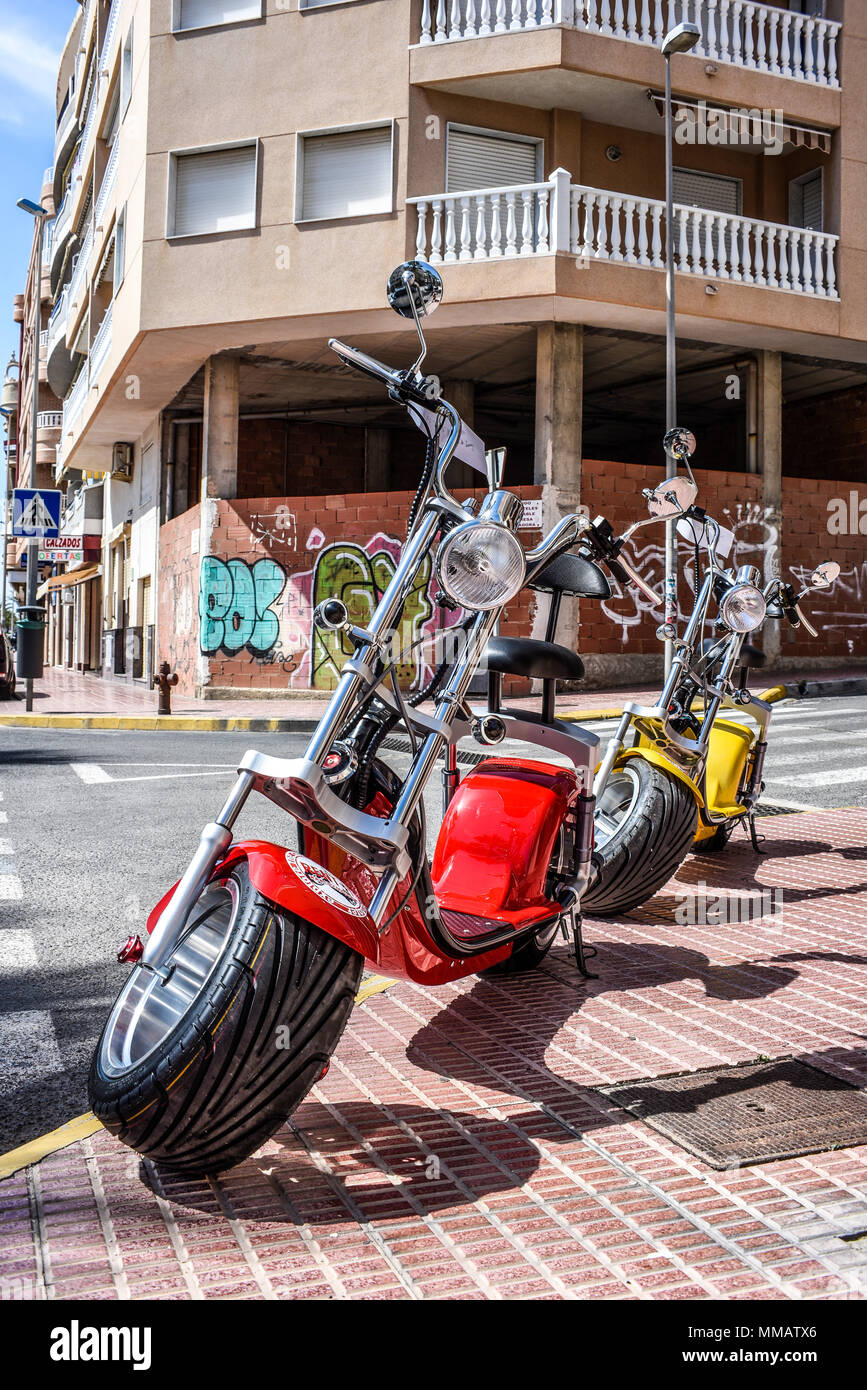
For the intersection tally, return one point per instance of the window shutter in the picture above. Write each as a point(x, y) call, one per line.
point(196, 14)
point(215, 191)
point(805, 201)
point(347, 174)
point(712, 191)
point(489, 161)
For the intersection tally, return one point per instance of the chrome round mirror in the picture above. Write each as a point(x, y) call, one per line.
point(671, 497)
point(679, 443)
point(418, 279)
point(824, 575)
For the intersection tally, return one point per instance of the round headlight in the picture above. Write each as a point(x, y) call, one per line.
point(743, 609)
point(481, 565)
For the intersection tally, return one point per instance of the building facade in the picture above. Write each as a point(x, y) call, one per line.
point(233, 181)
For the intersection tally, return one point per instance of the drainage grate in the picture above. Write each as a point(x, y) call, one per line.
point(767, 808)
point(403, 745)
point(735, 1116)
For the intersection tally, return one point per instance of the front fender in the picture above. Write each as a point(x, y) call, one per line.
point(300, 885)
point(652, 755)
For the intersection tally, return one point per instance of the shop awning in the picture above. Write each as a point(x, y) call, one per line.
point(744, 125)
point(79, 575)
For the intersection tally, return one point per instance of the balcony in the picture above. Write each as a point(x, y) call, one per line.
point(100, 347)
point(80, 267)
point(74, 402)
point(61, 229)
point(595, 225)
point(749, 35)
point(106, 188)
point(112, 29)
point(48, 426)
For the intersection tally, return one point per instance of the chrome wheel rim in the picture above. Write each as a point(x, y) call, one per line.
point(616, 803)
point(149, 1007)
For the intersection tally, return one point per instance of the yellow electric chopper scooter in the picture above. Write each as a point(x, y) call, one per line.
point(689, 775)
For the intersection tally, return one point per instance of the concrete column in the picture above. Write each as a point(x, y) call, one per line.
point(462, 395)
point(377, 460)
point(559, 389)
point(770, 449)
point(220, 429)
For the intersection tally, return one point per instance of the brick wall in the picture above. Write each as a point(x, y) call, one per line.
point(238, 585)
point(281, 456)
point(827, 436)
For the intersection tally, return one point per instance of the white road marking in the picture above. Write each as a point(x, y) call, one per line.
point(90, 772)
point(4, 819)
point(171, 776)
point(28, 1047)
point(10, 888)
point(841, 777)
point(17, 951)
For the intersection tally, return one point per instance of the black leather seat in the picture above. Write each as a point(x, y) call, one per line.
point(750, 656)
point(527, 656)
point(574, 575)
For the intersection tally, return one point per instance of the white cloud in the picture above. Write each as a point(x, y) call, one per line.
point(28, 61)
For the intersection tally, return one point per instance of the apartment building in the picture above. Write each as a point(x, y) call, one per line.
point(233, 181)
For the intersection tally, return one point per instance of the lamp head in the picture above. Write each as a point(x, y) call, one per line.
point(680, 39)
point(35, 209)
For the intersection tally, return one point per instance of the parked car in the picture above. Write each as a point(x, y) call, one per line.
point(7, 667)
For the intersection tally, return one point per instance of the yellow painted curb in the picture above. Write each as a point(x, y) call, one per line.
point(170, 722)
point(583, 716)
point(373, 986)
point(46, 1144)
point(84, 1125)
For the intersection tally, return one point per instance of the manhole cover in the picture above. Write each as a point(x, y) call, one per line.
point(733, 1116)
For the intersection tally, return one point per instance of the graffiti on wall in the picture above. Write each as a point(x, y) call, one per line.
point(266, 612)
point(235, 605)
point(279, 528)
point(755, 538)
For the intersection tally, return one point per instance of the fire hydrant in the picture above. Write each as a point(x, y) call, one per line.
point(164, 682)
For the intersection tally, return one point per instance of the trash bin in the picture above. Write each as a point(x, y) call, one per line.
point(30, 630)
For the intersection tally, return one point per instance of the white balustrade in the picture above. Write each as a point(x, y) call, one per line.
point(80, 266)
point(75, 400)
point(49, 420)
point(716, 245)
point(100, 346)
point(110, 35)
point(761, 37)
point(484, 223)
point(106, 188)
point(57, 323)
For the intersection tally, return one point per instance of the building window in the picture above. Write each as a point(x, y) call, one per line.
point(212, 190)
point(344, 173)
point(119, 248)
point(205, 14)
point(126, 73)
point(490, 159)
point(714, 192)
point(806, 201)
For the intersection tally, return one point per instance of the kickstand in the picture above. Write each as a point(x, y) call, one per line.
point(582, 953)
point(753, 836)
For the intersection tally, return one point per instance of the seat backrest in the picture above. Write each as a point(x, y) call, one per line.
point(574, 575)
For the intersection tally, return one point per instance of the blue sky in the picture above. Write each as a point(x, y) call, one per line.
point(30, 47)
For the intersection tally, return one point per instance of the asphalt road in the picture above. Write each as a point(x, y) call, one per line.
point(95, 826)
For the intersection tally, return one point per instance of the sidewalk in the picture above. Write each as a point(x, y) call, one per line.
point(460, 1146)
point(64, 697)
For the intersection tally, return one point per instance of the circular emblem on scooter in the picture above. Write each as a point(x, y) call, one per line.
point(325, 884)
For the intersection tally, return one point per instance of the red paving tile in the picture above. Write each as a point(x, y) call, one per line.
point(545, 1189)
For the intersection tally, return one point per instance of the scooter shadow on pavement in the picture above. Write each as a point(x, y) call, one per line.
point(500, 1036)
point(740, 862)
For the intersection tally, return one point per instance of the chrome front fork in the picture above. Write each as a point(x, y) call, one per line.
point(213, 844)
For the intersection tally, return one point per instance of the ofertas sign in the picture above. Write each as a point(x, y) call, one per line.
point(69, 547)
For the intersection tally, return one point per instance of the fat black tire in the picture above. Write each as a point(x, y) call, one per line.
point(647, 848)
point(526, 956)
point(252, 1043)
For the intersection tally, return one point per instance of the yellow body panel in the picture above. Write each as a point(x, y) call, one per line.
point(729, 747)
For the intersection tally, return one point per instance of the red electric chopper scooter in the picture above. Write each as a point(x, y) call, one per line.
point(237, 1001)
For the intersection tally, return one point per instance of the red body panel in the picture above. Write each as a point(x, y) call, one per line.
point(491, 860)
point(495, 845)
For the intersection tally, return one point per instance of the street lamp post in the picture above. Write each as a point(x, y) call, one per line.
point(39, 214)
point(678, 40)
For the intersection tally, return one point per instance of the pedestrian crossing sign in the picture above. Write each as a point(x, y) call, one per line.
point(36, 512)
